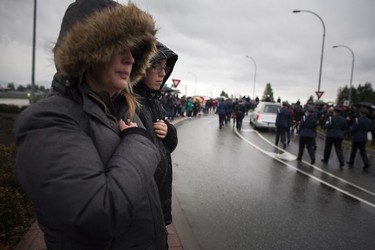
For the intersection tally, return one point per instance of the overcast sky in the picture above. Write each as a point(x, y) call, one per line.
point(213, 38)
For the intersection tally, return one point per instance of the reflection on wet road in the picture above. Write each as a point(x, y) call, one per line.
point(237, 191)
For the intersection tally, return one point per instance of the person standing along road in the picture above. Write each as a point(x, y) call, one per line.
point(183, 106)
point(196, 106)
point(221, 111)
point(169, 106)
point(307, 135)
point(83, 156)
point(214, 104)
point(189, 107)
point(289, 129)
point(228, 110)
point(282, 124)
point(240, 110)
point(153, 116)
point(372, 118)
point(336, 126)
point(298, 113)
point(360, 127)
point(177, 106)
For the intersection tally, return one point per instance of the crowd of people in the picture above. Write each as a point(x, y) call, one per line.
point(232, 109)
point(340, 122)
point(186, 106)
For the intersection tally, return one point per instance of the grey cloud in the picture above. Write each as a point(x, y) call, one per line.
point(212, 39)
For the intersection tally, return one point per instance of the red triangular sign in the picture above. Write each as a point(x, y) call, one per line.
point(175, 82)
point(319, 94)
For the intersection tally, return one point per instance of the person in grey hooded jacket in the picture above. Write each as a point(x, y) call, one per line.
point(83, 155)
point(153, 115)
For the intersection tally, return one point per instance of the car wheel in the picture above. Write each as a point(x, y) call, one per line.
point(254, 126)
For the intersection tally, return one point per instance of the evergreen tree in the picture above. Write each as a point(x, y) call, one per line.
point(224, 94)
point(21, 88)
point(11, 86)
point(268, 93)
point(342, 94)
point(363, 93)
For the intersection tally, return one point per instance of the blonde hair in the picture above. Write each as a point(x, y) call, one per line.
point(131, 100)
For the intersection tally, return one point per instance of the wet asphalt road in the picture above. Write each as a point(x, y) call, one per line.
point(237, 191)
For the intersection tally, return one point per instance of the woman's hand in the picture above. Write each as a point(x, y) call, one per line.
point(122, 125)
point(161, 129)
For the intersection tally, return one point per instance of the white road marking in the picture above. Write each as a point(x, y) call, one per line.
point(247, 130)
point(286, 156)
point(280, 159)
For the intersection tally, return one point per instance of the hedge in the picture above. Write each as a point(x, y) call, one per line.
point(16, 211)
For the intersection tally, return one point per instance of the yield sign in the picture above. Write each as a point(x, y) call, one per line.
point(319, 94)
point(175, 82)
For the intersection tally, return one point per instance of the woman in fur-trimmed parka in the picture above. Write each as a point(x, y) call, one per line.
point(153, 116)
point(83, 156)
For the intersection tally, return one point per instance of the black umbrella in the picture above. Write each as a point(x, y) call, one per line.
point(168, 90)
point(368, 105)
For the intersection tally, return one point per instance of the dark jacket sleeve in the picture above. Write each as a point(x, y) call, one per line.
point(171, 140)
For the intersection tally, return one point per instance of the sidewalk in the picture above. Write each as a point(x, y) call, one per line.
point(34, 238)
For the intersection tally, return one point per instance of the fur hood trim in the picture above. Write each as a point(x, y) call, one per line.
point(91, 42)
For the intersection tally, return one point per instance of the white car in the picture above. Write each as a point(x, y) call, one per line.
point(264, 115)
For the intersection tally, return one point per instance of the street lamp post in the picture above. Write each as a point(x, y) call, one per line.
point(324, 35)
point(351, 74)
point(32, 97)
point(195, 77)
point(255, 74)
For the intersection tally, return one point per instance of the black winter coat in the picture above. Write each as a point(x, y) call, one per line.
point(283, 118)
point(360, 127)
point(151, 111)
point(92, 186)
point(308, 126)
point(336, 126)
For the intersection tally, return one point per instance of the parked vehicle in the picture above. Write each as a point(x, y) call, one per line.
point(264, 115)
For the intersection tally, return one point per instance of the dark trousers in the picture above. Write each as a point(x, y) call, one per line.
point(309, 143)
point(227, 116)
point(337, 142)
point(221, 120)
point(280, 134)
point(239, 118)
point(361, 145)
